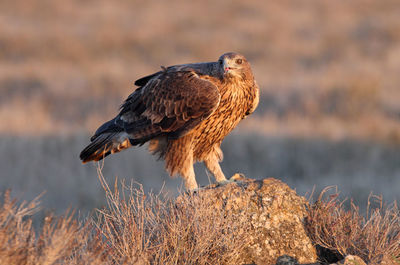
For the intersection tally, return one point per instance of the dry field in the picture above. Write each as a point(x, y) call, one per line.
point(139, 228)
point(326, 68)
point(329, 112)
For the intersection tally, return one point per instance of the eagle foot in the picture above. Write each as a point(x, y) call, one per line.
point(237, 177)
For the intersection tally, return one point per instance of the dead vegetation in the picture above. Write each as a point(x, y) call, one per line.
point(155, 229)
point(338, 232)
point(58, 239)
point(135, 228)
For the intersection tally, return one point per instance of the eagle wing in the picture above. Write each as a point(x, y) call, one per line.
point(170, 102)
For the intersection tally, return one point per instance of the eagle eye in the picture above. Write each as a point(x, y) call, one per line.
point(239, 61)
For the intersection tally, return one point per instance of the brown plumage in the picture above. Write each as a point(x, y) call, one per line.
point(184, 111)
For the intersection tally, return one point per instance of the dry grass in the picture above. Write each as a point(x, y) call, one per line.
point(57, 241)
point(132, 229)
point(141, 229)
point(135, 228)
point(373, 237)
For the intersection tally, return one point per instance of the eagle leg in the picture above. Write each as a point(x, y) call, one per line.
point(179, 160)
point(212, 164)
point(187, 173)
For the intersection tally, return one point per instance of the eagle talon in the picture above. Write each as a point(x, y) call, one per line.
point(194, 191)
point(224, 182)
point(235, 178)
point(238, 176)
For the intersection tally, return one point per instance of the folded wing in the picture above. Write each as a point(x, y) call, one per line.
point(170, 104)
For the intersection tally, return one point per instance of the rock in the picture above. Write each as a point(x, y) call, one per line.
point(351, 260)
point(389, 260)
point(273, 215)
point(288, 260)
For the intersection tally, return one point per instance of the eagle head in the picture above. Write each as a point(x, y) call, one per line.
point(234, 65)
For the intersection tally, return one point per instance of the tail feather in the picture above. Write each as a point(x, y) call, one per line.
point(104, 145)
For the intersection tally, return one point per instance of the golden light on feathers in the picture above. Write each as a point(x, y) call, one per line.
point(184, 111)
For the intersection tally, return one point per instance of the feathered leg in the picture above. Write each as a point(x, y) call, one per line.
point(215, 169)
point(187, 173)
point(179, 160)
point(212, 164)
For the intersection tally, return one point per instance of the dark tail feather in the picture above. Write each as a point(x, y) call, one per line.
point(103, 145)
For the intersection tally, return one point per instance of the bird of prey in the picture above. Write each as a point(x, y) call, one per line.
point(184, 112)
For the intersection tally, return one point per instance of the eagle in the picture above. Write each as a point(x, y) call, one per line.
point(184, 112)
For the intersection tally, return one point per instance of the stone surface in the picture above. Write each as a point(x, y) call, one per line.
point(273, 214)
point(351, 260)
point(388, 260)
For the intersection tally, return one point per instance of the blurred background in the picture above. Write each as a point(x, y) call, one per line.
point(329, 112)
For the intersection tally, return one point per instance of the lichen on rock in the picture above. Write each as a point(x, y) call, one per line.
point(272, 215)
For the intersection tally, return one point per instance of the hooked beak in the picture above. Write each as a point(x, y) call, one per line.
point(227, 68)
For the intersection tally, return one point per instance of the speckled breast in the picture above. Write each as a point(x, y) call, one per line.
point(211, 132)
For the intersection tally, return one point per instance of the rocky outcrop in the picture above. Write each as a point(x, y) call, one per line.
point(351, 260)
point(348, 260)
point(272, 214)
